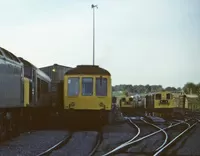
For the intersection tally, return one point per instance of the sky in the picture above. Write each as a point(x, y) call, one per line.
point(138, 41)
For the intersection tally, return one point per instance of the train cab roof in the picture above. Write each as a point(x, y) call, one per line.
point(27, 63)
point(8, 55)
point(88, 70)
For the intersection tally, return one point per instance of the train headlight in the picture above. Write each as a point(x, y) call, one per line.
point(102, 105)
point(72, 104)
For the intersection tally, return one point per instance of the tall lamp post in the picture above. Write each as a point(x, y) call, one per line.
point(93, 7)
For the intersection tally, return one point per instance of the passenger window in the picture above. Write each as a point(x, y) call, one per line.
point(101, 89)
point(73, 86)
point(158, 96)
point(87, 86)
point(168, 96)
point(7, 54)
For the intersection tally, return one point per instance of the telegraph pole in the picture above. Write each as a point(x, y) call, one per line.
point(93, 7)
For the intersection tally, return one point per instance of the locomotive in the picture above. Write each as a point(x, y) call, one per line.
point(87, 94)
point(21, 91)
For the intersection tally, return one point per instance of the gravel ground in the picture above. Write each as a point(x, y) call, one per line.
point(81, 144)
point(142, 147)
point(150, 143)
point(187, 145)
point(31, 144)
point(114, 135)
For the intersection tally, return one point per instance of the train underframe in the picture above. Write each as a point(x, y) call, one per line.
point(86, 117)
point(129, 111)
point(177, 113)
point(14, 121)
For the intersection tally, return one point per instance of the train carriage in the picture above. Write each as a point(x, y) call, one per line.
point(87, 93)
point(166, 103)
point(39, 85)
point(16, 88)
point(127, 104)
point(11, 91)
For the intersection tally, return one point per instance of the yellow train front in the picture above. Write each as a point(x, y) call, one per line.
point(87, 94)
point(166, 103)
point(127, 105)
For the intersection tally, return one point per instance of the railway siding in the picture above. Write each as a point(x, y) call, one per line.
point(31, 144)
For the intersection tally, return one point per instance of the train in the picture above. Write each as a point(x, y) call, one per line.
point(87, 94)
point(164, 103)
point(23, 92)
point(84, 94)
point(167, 103)
point(127, 104)
point(26, 96)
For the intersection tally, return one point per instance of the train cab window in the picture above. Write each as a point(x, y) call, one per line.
point(87, 86)
point(73, 86)
point(168, 96)
point(158, 96)
point(7, 54)
point(101, 87)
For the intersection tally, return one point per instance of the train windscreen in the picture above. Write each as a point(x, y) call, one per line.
point(73, 86)
point(87, 86)
point(101, 89)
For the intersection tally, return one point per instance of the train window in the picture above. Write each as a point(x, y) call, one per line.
point(158, 96)
point(168, 96)
point(87, 86)
point(7, 54)
point(101, 89)
point(73, 86)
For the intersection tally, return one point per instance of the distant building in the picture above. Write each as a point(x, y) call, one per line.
point(56, 72)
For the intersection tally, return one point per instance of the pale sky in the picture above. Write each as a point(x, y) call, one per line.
point(138, 41)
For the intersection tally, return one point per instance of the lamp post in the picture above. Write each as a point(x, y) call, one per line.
point(93, 7)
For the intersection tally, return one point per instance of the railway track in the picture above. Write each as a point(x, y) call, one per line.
point(98, 142)
point(166, 143)
point(58, 145)
point(65, 141)
point(176, 138)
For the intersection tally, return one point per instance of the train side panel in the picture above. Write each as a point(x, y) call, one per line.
point(11, 81)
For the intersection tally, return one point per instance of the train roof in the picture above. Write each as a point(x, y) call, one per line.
point(39, 72)
point(55, 65)
point(9, 55)
point(43, 76)
point(87, 70)
point(27, 63)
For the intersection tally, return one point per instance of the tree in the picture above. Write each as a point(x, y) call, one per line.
point(190, 88)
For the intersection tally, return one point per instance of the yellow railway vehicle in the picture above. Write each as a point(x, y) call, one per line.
point(127, 105)
point(88, 93)
point(167, 103)
point(26, 92)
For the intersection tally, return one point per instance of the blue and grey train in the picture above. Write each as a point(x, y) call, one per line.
point(23, 90)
